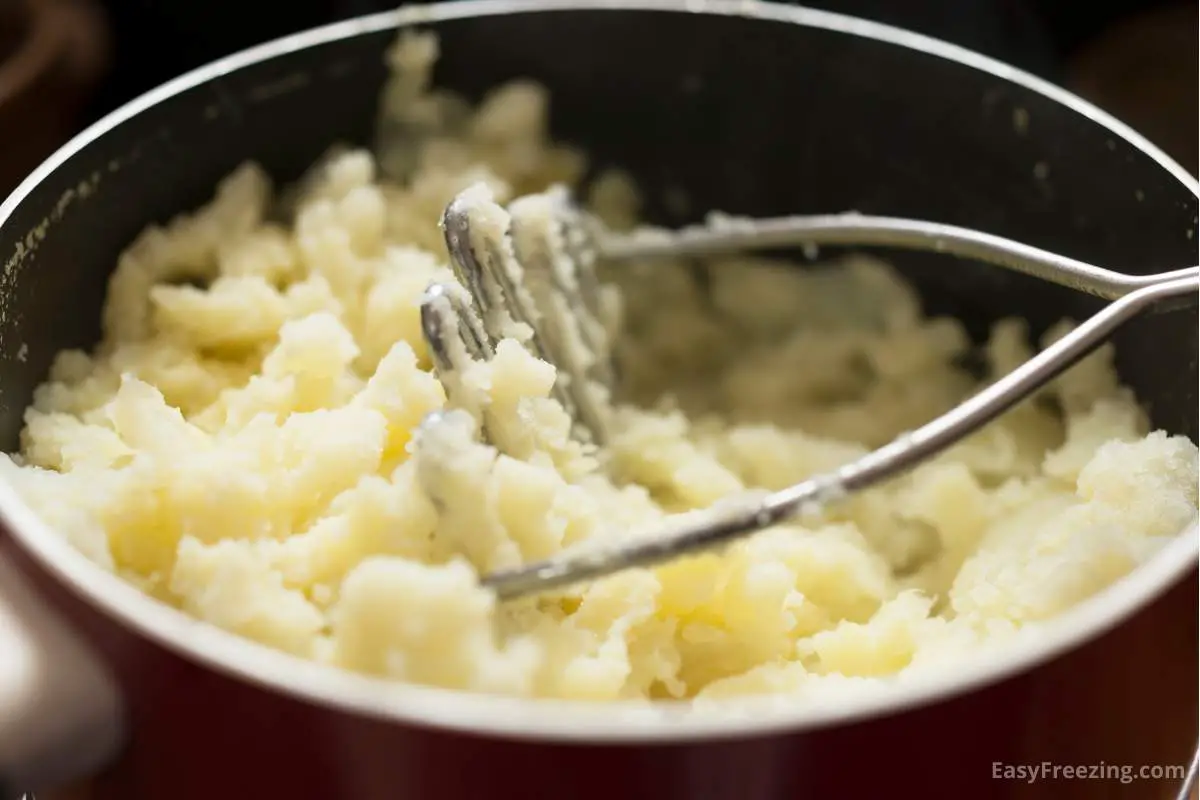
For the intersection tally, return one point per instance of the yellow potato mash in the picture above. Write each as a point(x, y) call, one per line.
point(240, 445)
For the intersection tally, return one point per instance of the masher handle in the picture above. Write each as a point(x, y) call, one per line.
point(722, 526)
point(734, 234)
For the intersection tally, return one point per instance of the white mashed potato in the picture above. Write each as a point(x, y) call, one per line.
point(238, 445)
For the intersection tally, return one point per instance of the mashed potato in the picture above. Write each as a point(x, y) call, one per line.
point(241, 445)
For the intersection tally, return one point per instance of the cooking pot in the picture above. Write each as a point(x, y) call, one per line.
point(752, 108)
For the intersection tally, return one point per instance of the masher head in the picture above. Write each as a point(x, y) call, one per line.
point(526, 272)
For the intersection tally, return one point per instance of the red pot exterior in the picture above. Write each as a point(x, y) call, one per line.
point(197, 734)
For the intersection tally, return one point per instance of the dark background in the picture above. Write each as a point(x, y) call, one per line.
point(1092, 46)
point(1135, 58)
point(158, 39)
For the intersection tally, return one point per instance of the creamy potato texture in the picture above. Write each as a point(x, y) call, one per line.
point(240, 445)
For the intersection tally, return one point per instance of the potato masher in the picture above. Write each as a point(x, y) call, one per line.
point(529, 270)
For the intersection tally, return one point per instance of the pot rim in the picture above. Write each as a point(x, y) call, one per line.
point(575, 721)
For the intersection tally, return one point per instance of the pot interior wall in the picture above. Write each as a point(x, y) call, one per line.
point(743, 115)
